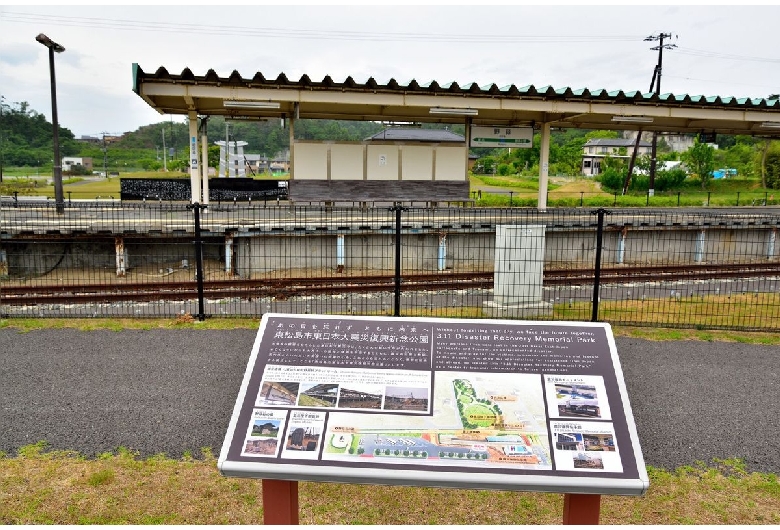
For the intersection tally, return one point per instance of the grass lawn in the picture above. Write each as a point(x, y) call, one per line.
point(39, 487)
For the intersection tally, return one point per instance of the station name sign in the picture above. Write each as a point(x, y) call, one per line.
point(501, 136)
point(488, 404)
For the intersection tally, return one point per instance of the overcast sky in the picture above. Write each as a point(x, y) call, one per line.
point(721, 50)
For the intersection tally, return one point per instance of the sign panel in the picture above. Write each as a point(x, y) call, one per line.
point(487, 404)
point(501, 136)
point(193, 152)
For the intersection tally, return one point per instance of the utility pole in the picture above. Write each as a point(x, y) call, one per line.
point(2, 139)
point(105, 157)
point(661, 46)
point(165, 154)
point(227, 149)
point(636, 144)
point(59, 196)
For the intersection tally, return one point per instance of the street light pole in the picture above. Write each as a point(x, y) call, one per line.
point(59, 196)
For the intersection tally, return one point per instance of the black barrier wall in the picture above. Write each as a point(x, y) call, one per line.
point(673, 268)
point(220, 189)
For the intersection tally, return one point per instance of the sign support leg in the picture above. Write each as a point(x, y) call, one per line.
point(280, 502)
point(581, 508)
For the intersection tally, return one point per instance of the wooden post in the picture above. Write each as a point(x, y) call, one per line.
point(581, 508)
point(280, 502)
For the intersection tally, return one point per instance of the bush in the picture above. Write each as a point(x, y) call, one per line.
point(611, 179)
point(505, 169)
point(639, 183)
point(773, 169)
point(670, 180)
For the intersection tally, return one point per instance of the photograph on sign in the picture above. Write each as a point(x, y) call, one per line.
point(511, 404)
point(370, 390)
point(573, 396)
point(304, 434)
point(585, 446)
point(264, 433)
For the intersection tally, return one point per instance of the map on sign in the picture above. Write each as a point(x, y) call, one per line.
point(491, 404)
point(485, 420)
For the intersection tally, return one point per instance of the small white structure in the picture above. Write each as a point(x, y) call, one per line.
point(518, 273)
point(234, 158)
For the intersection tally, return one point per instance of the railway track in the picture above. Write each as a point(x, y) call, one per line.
point(283, 288)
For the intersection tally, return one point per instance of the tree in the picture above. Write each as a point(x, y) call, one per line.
point(773, 167)
point(700, 158)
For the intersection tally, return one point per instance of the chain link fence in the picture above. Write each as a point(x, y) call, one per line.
point(671, 268)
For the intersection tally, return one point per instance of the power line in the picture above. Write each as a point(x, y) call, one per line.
point(276, 32)
point(718, 55)
point(720, 81)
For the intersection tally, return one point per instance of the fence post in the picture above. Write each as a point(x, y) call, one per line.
point(737, 198)
point(615, 203)
point(597, 269)
point(708, 197)
point(678, 199)
point(397, 295)
point(198, 260)
point(510, 198)
point(647, 201)
point(582, 193)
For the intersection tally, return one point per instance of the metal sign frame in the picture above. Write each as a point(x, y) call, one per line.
point(504, 368)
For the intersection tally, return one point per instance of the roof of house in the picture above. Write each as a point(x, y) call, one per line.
point(614, 142)
point(416, 135)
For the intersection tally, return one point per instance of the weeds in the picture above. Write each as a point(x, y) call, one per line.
point(39, 487)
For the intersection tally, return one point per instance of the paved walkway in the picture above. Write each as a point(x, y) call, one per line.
point(169, 391)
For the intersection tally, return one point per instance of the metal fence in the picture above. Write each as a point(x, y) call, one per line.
point(670, 268)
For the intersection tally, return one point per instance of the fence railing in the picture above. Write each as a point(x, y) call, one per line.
point(672, 268)
point(663, 199)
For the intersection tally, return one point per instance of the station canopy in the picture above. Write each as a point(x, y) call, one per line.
point(259, 97)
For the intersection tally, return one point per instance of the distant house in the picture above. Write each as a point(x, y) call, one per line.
point(69, 161)
point(596, 149)
point(678, 143)
point(257, 163)
point(105, 138)
point(280, 165)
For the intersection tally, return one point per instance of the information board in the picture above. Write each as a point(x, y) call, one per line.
point(487, 404)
